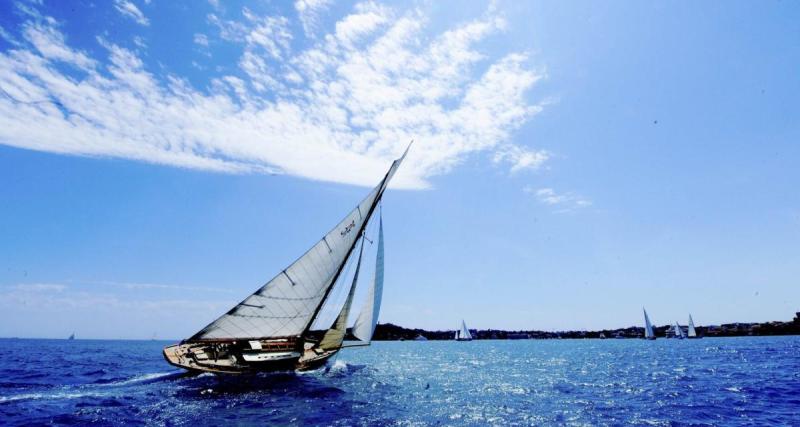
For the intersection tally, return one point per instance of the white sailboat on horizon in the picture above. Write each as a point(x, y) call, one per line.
point(648, 327)
point(692, 332)
point(679, 331)
point(463, 333)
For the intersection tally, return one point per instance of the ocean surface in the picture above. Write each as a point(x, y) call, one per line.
point(711, 381)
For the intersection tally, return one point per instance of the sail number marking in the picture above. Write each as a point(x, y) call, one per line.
point(348, 228)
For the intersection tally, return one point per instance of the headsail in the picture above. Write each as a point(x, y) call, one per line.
point(334, 336)
point(287, 304)
point(692, 332)
point(648, 327)
point(368, 318)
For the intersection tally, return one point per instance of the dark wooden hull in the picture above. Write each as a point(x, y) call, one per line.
point(197, 358)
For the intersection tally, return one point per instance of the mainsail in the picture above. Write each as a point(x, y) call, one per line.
point(692, 332)
point(287, 305)
point(368, 318)
point(648, 327)
point(334, 336)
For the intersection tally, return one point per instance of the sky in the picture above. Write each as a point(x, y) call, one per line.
point(573, 161)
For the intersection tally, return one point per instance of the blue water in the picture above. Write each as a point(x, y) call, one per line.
point(730, 381)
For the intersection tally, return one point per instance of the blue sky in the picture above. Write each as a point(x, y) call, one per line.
point(573, 161)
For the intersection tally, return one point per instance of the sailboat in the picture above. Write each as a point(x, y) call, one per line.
point(691, 333)
point(648, 327)
point(679, 331)
point(270, 330)
point(72, 336)
point(463, 333)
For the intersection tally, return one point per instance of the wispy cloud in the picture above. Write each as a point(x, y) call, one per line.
point(520, 158)
point(130, 10)
point(337, 111)
point(564, 202)
point(308, 12)
point(201, 39)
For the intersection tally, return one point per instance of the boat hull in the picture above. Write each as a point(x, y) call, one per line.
point(207, 358)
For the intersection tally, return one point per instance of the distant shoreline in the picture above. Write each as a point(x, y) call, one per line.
point(392, 332)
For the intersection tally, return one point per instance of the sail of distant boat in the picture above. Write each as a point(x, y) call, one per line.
point(72, 336)
point(463, 333)
point(648, 327)
point(691, 333)
point(679, 331)
point(271, 328)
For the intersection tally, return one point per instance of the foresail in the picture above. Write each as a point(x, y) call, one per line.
point(334, 336)
point(368, 317)
point(288, 303)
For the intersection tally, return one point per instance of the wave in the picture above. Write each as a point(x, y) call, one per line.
point(48, 396)
point(145, 379)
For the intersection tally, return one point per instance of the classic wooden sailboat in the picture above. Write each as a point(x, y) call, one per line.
point(270, 330)
point(692, 333)
point(463, 333)
point(648, 327)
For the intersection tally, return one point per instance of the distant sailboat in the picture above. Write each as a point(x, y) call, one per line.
point(692, 333)
point(270, 330)
point(463, 333)
point(648, 327)
point(72, 336)
point(679, 331)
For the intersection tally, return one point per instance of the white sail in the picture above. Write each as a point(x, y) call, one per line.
point(288, 303)
point(648, 327)
point(334, 336)
point(368, 318)
point(679, 331)
point(692, 332)
point(464, 333)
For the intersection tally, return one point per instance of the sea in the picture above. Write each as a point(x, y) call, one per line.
point(709, 381)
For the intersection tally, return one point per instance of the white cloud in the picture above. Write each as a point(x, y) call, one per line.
point(308, 11)
point(8, 37)
point(338, 111)
point(130, 10)
point(201, 39)
point(565, 202)
point(520, 158)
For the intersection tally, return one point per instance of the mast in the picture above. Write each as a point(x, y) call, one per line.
point(383, 185)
